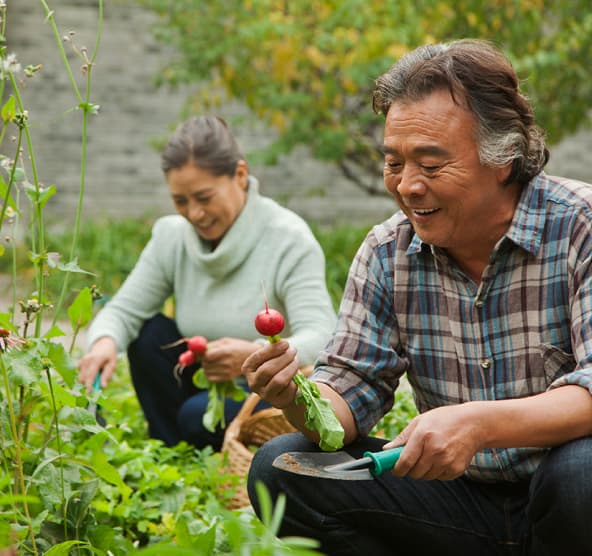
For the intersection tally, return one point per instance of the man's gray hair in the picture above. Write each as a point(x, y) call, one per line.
point(481, 78)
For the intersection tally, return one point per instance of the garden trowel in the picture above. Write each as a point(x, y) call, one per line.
point(94, 408)
point(338, 465)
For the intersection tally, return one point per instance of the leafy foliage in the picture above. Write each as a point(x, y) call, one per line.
point(308, 73)
point(320, 415)
point(217, 393)
point(68, 484)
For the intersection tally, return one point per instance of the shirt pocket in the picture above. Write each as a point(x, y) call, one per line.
point(556, 362)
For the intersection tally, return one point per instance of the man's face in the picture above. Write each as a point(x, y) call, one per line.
point(433, 171)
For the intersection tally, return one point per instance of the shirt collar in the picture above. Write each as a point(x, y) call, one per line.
point(527, 227)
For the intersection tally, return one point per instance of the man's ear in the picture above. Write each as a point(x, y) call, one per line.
point(504, 172)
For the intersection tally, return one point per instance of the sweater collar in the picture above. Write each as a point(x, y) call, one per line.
point(236, 244)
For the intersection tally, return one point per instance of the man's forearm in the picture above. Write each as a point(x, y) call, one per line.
point(543, 420)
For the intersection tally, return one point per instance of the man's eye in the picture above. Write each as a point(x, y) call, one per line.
point(180, 202)
point(393, 166)
point(430, 169)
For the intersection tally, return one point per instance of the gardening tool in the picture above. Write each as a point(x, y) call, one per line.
point(338, 465)
point(94, 407)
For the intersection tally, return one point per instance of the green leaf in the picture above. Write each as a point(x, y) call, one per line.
point(72, 266)
point(8, 110)
point(61, 361)
point(39, 195)
point(217, 392)
point(54, 332)
point(63, 549)
point(89, 107)
point(25, 367)
point(4, 192)
point(80, 311)
point(109, 473)
point(319, 414)
point(6, 322)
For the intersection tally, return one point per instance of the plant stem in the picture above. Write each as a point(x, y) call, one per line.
point(17, 449)
point(59, 445)
point(58, 39)
point(86, 108)
point(11, 178)
point(37, 209)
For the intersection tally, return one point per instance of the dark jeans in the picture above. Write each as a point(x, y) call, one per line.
point(387, 516)
point(174, 411)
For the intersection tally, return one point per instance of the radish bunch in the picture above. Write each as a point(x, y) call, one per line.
point(319, 414)
point(217, 391)
point(196, 347)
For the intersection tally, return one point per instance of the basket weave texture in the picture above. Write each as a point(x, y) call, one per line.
point(247, 430)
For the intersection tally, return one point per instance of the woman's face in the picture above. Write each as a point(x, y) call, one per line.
point(211, 203)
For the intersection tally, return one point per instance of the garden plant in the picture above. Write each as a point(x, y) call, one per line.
point(69, 484)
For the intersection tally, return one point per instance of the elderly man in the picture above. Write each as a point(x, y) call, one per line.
point(480, 290)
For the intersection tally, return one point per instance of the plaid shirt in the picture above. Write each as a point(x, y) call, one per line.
point(407, 308)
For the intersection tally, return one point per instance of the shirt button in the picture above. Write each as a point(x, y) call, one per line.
point(485, 363)
point(479, 303)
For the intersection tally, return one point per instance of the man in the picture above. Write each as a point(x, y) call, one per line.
point(480, 289)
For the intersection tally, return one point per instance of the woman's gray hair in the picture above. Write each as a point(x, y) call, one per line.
point(205, 141)
point(480, 77)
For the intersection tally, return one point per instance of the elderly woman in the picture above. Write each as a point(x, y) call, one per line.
point(213, 256)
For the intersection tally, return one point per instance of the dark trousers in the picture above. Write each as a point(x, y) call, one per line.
point(173, 410)
point(387, 516)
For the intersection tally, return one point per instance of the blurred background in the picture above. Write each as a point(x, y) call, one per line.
point(292, 77)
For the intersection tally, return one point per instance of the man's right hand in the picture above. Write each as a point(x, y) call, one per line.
point(102, 357)
point(269, 372)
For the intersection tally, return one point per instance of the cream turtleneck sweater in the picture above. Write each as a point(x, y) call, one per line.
point(218, 293)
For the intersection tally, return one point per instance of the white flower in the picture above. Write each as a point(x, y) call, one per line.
point(9, 64)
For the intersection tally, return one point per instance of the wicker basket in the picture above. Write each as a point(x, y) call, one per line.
point(245, 431)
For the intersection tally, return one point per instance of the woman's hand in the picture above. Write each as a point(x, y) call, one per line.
point(102, 357)
point(269, 372)
point(224, 357)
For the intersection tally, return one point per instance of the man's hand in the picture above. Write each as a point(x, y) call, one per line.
point(101, 357)
point(439, 444)
point(224, 357)
point(269, 372)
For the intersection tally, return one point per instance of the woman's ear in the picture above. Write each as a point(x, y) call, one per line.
point(242, 174)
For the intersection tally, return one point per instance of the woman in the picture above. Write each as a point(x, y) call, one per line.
point(214, 257)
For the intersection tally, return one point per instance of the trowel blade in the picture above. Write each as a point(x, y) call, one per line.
point(317, 464)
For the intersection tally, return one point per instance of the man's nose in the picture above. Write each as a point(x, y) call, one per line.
point(411, 183)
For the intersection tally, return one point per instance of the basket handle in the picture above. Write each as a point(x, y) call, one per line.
point(248, 406)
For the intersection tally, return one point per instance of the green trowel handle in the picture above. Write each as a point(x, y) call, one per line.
point(385, 460)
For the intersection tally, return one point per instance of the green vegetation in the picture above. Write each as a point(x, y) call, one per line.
point(109, 250)
point(308, 73)
point(113, 488)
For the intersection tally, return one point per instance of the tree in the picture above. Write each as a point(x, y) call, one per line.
point(307, 69)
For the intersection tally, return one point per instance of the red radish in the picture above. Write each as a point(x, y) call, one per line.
point(197, 344)
point(186, 358)
point(269, 322)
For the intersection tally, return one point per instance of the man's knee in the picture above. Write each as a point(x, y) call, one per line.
point(262, 469)
point(561, 497)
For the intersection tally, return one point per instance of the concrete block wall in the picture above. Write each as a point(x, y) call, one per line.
point(123, 173)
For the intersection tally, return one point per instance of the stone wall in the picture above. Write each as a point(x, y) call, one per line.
point(123, 174)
